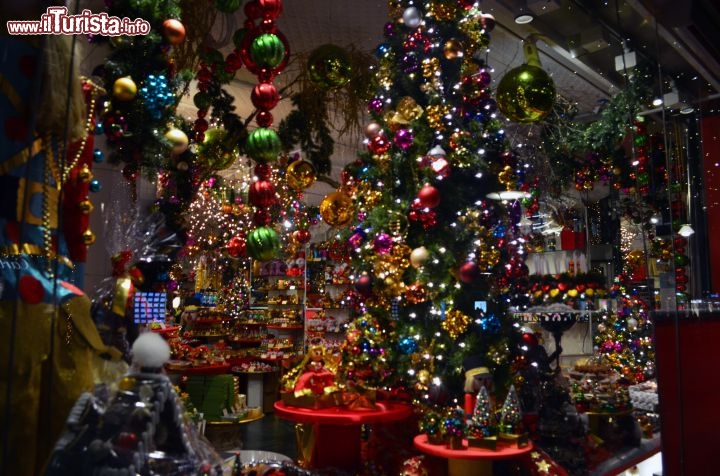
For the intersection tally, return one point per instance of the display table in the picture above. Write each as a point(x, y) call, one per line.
point(330, 437)
point(470, 460)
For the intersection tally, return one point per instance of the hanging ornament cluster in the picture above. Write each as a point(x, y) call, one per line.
point(144, 85)
point(640, 173)
point(264, 51)
point(526, 94)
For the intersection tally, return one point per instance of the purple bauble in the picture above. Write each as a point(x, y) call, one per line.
point(404, 139)
point(375, 105)
point(484, 77)
point(383, 243)
point(410, 63)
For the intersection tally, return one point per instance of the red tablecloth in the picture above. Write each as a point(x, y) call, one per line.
point(335, 441)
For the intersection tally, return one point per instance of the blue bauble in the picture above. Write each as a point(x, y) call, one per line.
point(407, 345)
point(98, 156)
point(95, 185)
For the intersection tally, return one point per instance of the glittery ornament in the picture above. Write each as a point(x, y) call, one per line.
point(404, 139)
point(300, 174)
point(337, 209)
point(455, 323)
point(409, 108)
point(382, 243)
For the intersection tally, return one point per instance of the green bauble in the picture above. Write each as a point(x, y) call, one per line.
point(263, 244)
point(263, 145)
point(211, 56)
point(227, 6)
point(525, 94)
point(329, 66)
point(238, 37)
point(202, 100)
point(213, 153)
point(681, 260)
point(267, 50)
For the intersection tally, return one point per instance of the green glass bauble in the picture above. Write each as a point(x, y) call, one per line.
point(227, 6)
point(267, 50)
point(525, 94)
point(329, 66)
point(263, 145)
point(681, 260)
point(263, 243)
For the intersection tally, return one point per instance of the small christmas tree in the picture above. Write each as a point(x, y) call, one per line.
point(624, 340)
point(510, 415)
point(480, 424)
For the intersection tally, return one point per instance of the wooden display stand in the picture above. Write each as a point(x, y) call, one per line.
point(330, 437)
point(470, 460)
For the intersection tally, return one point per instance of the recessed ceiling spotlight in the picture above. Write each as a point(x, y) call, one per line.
point(657, 102)
point(524, 18)
point(687, 110)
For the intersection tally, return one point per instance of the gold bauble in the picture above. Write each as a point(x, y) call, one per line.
point(455, 323)
point(409, 108)
point(423, 377)
point(88, 237)
point(453, 49)
point(86, 207)
point(419, 256)
point(124, 89)
point(300, 174)
point(178, 140)
point(85, 174)
point(337, 209)
point(525, 94)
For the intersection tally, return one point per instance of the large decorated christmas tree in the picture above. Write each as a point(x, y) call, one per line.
point(433, 253)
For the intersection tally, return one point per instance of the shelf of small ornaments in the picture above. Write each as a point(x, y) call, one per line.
point(597, 389)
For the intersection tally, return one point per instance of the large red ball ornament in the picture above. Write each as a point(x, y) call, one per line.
point(271, 9)
point(262, 193)
point(174, 31)
point(468, 272)
point(265, 96)
point(529, 339)
point(429, 196)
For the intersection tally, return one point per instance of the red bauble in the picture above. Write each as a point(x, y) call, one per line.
point(681, 279)
point(253, 10)
point(529, 339)
point(236, 246)
point(265, 96)
point(271, 9)
point(302, 236)
point(379, 144)
point(363, 284)
point(174, 31)
point(261, 217)
point(263, 171)
point(262, 193)
point(468, 272)
point(680, 242)
point(264, 119)
point(429, 196)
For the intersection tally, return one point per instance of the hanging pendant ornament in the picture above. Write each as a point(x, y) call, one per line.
point(526, 94)
point(265, 53)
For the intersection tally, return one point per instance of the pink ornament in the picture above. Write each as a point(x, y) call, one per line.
point(404, 139)
point(383, 243)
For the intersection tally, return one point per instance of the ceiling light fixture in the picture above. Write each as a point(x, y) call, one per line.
point(657, 102)
point(686, 230)
point(524, 18)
